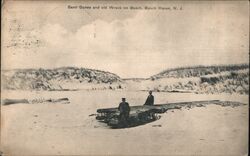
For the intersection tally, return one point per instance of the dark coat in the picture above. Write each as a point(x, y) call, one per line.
point(124, 113)
point(150, 100)
point(124, 107)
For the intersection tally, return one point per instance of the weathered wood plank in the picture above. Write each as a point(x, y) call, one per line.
point(157, 106)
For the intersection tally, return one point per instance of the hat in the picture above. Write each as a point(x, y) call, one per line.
point(123, 98)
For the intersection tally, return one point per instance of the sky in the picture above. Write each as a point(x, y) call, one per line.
point(129, 43)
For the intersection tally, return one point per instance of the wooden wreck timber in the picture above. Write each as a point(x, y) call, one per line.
point(144, 114)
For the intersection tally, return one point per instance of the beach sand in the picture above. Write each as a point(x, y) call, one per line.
point(67, 129)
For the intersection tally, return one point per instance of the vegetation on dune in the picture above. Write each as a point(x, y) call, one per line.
point(197, 79)
point(209, 79)
point(198, 71)
point(50, 79)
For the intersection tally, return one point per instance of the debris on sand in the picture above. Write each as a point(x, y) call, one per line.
point(156, 125)
point(58, 100)
point(14, 101)
point(35, 101)
point(140, 115)
point(229, 103)
point(92, 115)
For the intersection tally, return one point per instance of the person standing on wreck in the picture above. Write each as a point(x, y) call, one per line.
point(150, 99)
point(124, 112)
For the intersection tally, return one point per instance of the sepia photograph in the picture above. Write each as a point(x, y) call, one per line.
point(124, 78)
